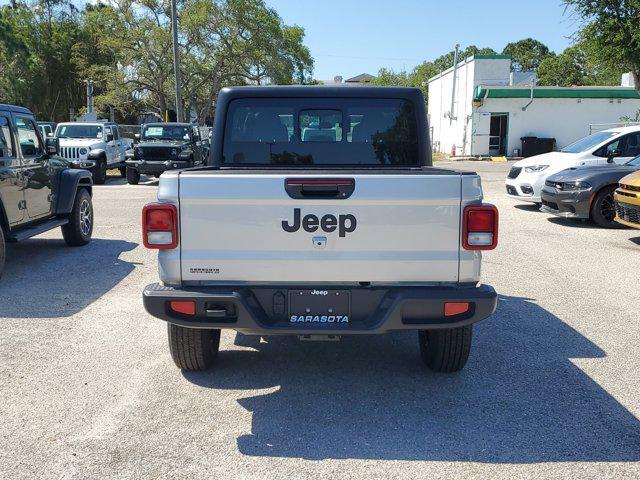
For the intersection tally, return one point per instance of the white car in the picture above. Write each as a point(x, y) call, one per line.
point(616, 145)
point(96, 146)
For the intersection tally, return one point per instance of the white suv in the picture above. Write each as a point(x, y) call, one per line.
point(96, 146)
point(617, 145)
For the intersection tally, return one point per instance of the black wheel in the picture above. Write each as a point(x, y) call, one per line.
point(133, 176)
point(99, 172)
point(193, 348)
point(80, 227)
point(123, 171)
point(2, 254)
point(445, 350)
point(603, 208)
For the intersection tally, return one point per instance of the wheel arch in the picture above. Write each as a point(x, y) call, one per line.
point(597, 192)
point(71, 180)
point(4, 222)
point(97, 153)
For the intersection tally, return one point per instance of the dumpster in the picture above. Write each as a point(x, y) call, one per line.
point(535, 146)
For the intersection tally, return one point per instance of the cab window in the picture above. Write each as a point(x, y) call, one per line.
point(6, 140)
point(625, 146)
point(28, 138)
point(632, 146)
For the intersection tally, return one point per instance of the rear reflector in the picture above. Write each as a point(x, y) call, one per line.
point(451, 309)
point(160, 226)
point(186, 308)
point(480, 227)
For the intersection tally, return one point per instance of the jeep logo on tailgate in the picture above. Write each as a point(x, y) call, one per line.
point(328, 223)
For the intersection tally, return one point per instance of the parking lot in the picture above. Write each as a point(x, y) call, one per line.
point(88, 389)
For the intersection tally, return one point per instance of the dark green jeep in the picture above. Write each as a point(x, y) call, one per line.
point(38, 189)
point(165, 146)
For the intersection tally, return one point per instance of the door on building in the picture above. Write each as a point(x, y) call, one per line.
point(498, 133)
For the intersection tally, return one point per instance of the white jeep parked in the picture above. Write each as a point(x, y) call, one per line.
point(95, 146)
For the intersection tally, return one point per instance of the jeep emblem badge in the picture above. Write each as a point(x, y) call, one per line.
point(328, 223)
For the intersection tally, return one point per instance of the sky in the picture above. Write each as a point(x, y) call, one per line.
point(349, 37)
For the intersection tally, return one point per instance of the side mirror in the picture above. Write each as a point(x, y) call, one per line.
point(136, 137)
point(613, 154)
point(52, 145)
point(50, 134)
point(109, 137)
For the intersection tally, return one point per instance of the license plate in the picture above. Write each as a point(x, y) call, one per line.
point(319, 306)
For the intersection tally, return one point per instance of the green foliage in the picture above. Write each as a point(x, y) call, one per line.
point(48, 48)
point(526, 54)
point(611, 30)
point(421, 74)
point(561, 70)
point(40, 59)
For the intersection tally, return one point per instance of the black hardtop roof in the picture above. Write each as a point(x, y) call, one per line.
point(319, 91)
point(179, 124)
point(97, 122)
point(14, 108)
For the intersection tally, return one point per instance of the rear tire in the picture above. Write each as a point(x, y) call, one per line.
point(80, 227)
point(445, 350)
point(133, 176)
point(2, 251)
point(99, 172)
point(193, 349)
point(602, 209)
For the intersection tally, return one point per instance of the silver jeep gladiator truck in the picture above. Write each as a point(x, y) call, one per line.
point(319, 214)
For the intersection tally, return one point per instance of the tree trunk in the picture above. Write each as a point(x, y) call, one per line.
point(162, 105)
point(636, 79)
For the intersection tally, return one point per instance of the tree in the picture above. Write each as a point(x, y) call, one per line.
point(526, 54)
point(221, 42)
point(421, 74)
point(560, 70)
point(40, 56)
point(611, 27)
point(48, 48)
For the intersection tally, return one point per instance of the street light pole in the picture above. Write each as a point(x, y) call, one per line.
point(176, 61)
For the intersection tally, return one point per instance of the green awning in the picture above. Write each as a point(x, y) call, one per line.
point(557, 92)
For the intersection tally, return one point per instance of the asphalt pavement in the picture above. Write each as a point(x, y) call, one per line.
point(551, 390)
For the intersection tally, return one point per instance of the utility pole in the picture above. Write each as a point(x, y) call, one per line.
point(90, 97)
point(453, 90)
point(176, 60)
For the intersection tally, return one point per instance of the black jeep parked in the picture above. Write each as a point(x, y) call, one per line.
point(165, 146)
point(38, 190)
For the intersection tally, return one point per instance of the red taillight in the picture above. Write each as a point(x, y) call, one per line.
point(451, 309)
point(480, 227)
point(160, 226)
point(186, 308)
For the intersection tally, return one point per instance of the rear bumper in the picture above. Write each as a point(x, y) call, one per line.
point(373, 309)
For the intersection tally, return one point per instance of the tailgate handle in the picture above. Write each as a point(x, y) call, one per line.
point(315, 188)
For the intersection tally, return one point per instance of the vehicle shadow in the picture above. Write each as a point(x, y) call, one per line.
point(116, 179)
point(519, 400)
point(635, 240)
point(574, 223)
point(46, 278)
point(528, 207)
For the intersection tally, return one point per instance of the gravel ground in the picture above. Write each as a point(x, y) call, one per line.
point(88, 389)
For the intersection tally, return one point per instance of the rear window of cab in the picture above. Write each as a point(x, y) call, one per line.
point(322, 132)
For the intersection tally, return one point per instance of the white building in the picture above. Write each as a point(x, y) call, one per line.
point(488, 115)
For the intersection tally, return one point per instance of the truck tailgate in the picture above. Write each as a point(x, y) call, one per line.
point(241, 227)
